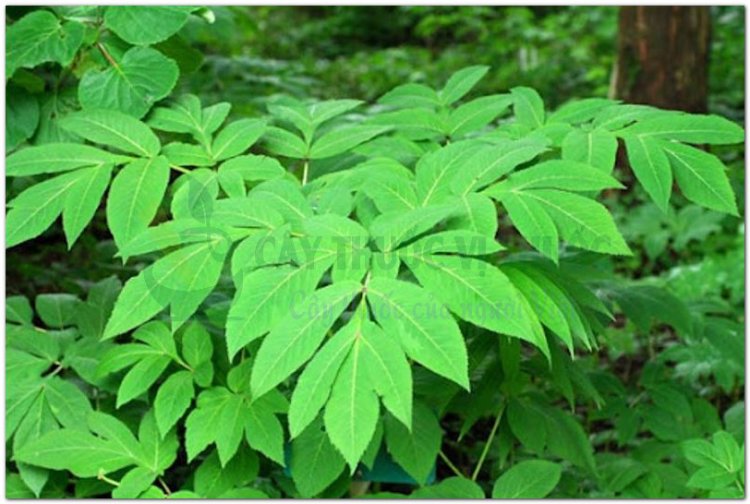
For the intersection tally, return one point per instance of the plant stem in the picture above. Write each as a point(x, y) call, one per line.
point(451, 465)
point(104, 478)
point(107, 56)
point(179, 168)
point(487, 445)
point(305, 170)
point(165, 487)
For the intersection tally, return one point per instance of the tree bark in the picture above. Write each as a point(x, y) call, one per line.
point(663, 57)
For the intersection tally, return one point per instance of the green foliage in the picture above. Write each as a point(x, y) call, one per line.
point(313, 294)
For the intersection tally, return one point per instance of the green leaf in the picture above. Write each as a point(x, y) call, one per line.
point(140, 378)
point(82, 200)
point(145, 25)
point(567, 439)
point(233, 174)
point(135, 196)
point(491, 162)
point(478, 293)
point(18, 309)
point(229, 435)
point(556, 174)
point(236, 138)
point(527, 424)
point(701, 177)
point(280, 142)
point(176, 279)
point(689, 128)
point(315, 382)
point(578, 111)
point(531, 479)
point(36, 208)
point(461, 83)
point(528, 107)
point(389, 370)
point(411, 95)
point(142, 77)
point(651, 166)
point(182, 154)
point(113, 129)
point(711, 478)
point(197, 346)
point(315, 462)
point(80, 453)
point(263, 431)
point(265, 296)
point(203, 423)
point(597, 148)
point(40, 37)
point(582, 222)
point(134, 483)
point(476, 114)
point(454, 487)
point(391, 229)
point(351, 414)
point(295, 338)
point(415, 451)
point(435, 170)
point(419, 321)
point(173, 399)
point(57, 157)
point(343, 139)
point(533, 222)
point(56, 310)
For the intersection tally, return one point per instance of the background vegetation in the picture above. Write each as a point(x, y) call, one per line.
point(648, 409)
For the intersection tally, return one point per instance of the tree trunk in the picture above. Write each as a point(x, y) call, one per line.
point(663, 57)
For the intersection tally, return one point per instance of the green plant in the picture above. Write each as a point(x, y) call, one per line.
point(332, 295)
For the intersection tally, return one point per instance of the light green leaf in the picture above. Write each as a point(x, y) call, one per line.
point(650, 164)
point(701, 177)
point(82, 200)
point(264, 297)
point(203, 422)
point(135, 196)
point(582, 222)
point(578, 111)
point(416, 450)
point(428, 334)
point(142, 77)
point(250, 168)
point(411, 95)
point(343, 139)
point(475, 212)
point(390, 373)
point(476, 114)
point(454, 487)
point(352, 412)
point(236, 138)
point(283, 143)
point(528, 107)
point(76, 451)
point(182, 154)
point(597, 148)
point(113, 129)
point(315, 382)
point(689, 128)
point(263, 431)
point(491, 162)
point(477, 292)
point(229, 435)
point(146, 25)
point(36, 208)
point(556, 174)
point(188, 271)
point(56, 310)
point(140, 378)
point(533, 222)
point(197, 346)
point(461, 83)
point(40, 37)
point(134, 483)
point(173, 399)
point(296, 337)
point(57, 157)
point(531, 479)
